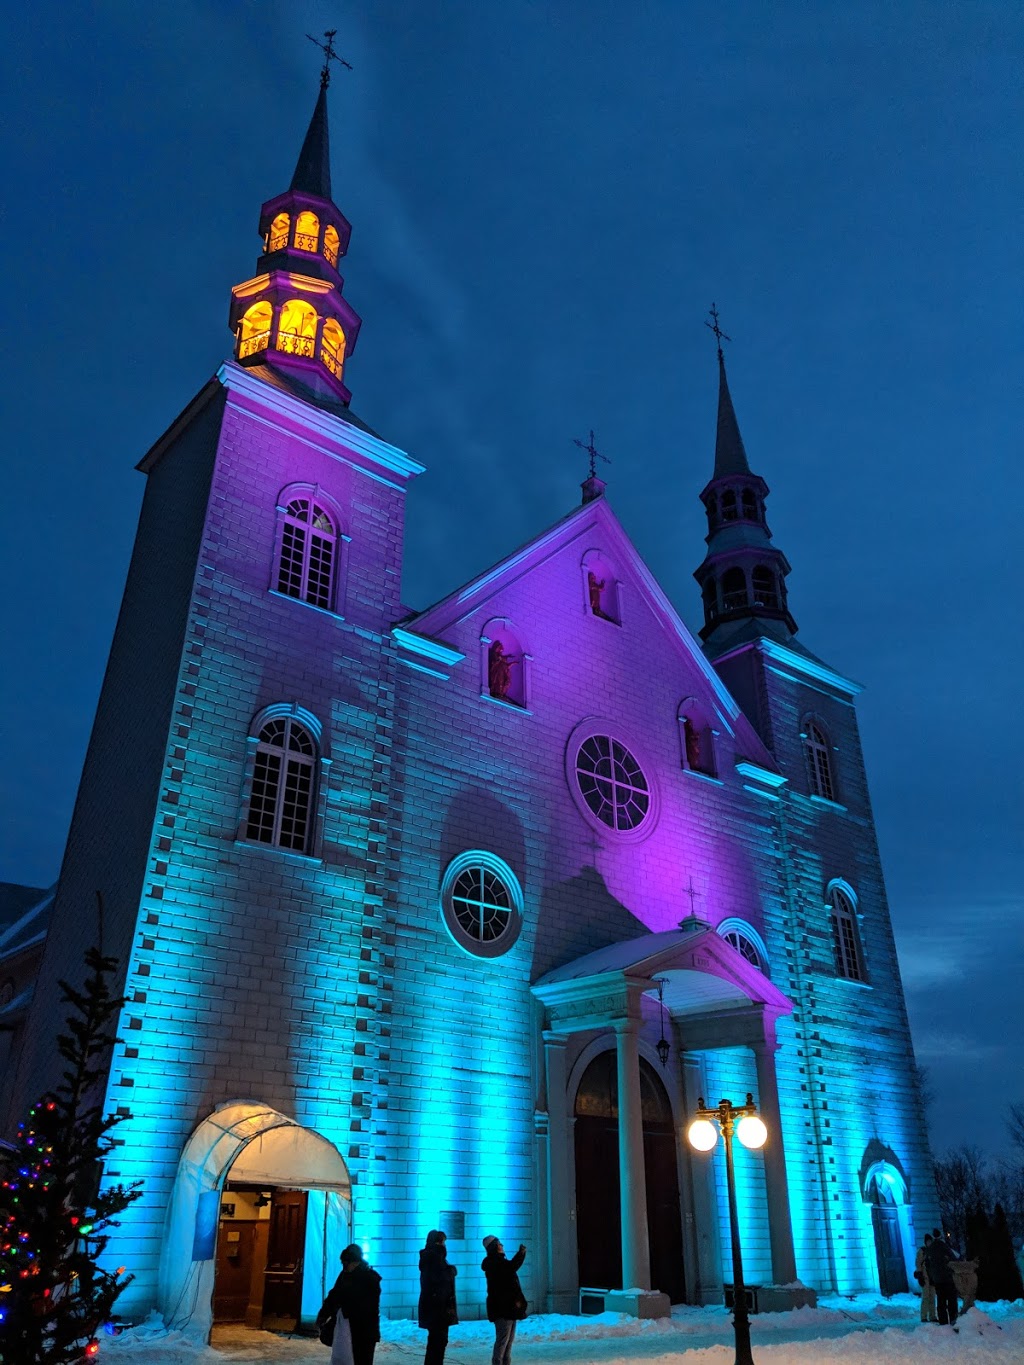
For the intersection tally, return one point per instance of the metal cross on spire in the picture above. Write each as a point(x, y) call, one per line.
point(593, 452)
point(329, 55)
point(691, 890)
point(720, 336)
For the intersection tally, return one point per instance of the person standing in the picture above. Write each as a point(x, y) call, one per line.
point(506, 1302)
point(938, 1259)
point(921, 1276)
point(437, 1310)
point(355, 1300)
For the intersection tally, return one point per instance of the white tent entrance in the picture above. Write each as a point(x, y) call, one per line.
point(259, 1213)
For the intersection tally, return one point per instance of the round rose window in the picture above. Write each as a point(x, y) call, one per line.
point(612, 783)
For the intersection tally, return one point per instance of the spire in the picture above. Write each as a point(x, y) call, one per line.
point(292, 316)
point(313, 169)
point(743, 576)
point(730, 456)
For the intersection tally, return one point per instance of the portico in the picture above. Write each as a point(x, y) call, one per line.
point(712, 998)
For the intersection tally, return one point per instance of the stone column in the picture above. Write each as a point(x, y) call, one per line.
point(636, 1259)
point(561, 1198)
point(780, 1227)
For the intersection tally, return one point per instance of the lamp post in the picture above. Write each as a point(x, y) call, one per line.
point(743, 1121)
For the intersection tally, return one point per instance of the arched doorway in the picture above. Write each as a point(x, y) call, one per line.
point(259, 1212)
point(598, 1219)
point(886, 1194)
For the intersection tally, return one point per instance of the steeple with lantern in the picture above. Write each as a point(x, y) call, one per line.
point(743, 576)
point(291, 315)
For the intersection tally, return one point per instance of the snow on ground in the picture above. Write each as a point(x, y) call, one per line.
point(864, 1330)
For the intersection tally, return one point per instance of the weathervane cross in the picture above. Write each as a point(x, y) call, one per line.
point(720, 336)
point(693, 893)
point(329, 55)
point(593, 452)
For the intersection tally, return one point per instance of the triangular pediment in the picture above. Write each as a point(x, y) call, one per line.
point(592, 527)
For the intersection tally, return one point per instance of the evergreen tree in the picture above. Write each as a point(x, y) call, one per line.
point(54, 1216)
point(1005, 1277)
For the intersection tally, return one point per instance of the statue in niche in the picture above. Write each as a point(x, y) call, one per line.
point(691, 739)
point(595, 589)
point(499, 670)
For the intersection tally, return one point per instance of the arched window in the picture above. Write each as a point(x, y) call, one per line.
point(332, 347)
point(820, 773)
point(746, 941)
point(281, 804)
point(277, 237)
point(845, 937)
point(734, 589)
point(296, 332)
point(332, 244)
point(749, 505)
point(709, 596)
point(766, 592)
point(729, 509)
point(309, 541)
point(254, 329)
point(307, 231)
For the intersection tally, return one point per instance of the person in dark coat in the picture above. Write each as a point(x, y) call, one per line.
point(356, 1296)
point(437, 1310)
point(937, 1259)
point(506, 1302)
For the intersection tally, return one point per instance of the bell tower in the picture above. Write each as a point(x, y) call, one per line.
point(292, 316)
point(743, 576)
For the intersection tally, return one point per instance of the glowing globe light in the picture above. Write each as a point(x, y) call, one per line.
point(702, 1134)
point(751, 1131)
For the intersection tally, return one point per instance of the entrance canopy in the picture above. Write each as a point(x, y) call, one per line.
point(701, 974)
point(293, 1156)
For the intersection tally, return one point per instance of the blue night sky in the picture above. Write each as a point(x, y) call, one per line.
point(545, 199)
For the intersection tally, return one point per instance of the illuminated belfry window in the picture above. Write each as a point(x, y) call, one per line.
point(819, 762)
point(280, 808)
point(296, 331)
point(254, 334)
point(332, 347)
point(307, 231)
point(277, 237)
point(309, 542)
point(845, 938)
point(332, 244)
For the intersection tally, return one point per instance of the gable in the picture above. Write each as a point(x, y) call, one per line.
point(584, 564)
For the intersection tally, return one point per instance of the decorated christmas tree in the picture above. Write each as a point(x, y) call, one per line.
point(54, 1211)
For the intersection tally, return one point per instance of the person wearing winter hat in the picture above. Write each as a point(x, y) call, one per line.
point(354, 1303)
point(506, 1302)
point(437, 1310)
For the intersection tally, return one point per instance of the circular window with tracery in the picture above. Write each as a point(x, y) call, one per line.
point(612, 783)
point(482, 903)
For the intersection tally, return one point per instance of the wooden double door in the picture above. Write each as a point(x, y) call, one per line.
point(598, 1204)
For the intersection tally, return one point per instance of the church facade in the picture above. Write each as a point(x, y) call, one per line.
point(408, 904)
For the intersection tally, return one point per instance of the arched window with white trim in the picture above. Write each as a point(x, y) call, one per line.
point(820, 768)
point(283, 785)
point(308, 553)
point(747, 942)
point(846, 945)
